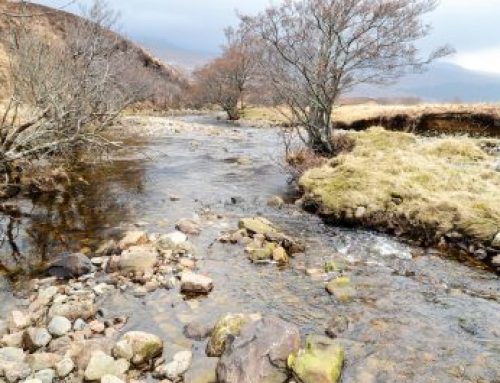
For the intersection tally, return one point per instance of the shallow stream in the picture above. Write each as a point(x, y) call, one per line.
point(418, 316)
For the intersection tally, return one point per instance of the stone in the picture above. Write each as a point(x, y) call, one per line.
point(145, 346)
point(48, 293)
point(496, 241)
point(337, 325)
point(133, 238)
point(275, 202)
point(341, 288)
point(203, 370)
point(197, 331)
point(107, 248)
point(138, 259)
point(111, 379)
point(259, 353)
point(59, 326)
point(42, 360)
point(31, 380)
point(70, 266)
point(495, 261)
point(97, 327)
point(18, 321)
point(35, 338)
point(261, 254)
point(319, 362)
point(45, 376)
point(101, 364)
point(291, 245)
point(175, 238)
point(73, 309)
point(257, 225)
point(13, 365)
point(187, 263)
point(280, 256)
point(64, 367)
point(177, 367)
point(13, 340)
point(228, 326)
point(4, 328)
point(79, 325)
point(192, 283)
point(123, 349)
point(188, 226)
point(102, 288)
point(81, 351)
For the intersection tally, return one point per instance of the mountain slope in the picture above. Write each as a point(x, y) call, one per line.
point(54, 24)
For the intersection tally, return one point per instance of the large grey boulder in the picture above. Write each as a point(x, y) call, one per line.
point(260, 353)
point(70, 266)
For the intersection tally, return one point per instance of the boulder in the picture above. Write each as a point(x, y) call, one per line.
point(133, 238)
point(43, 361)
point(101, 364)
point(35, 338)
point(203, 370)
point(341, 288)
point(188, 226)
point(280, 256)
point(171, 240)
point(177, 367)
point(291, 245)
point(261, 254)
point(145, 347)
point(319, 362)
point(229, 325)
point(59, 326)
point(260, 353)
point(138, 259)
point(192, 283)
point(73, 309)
point(111, 379)
point(70, 266)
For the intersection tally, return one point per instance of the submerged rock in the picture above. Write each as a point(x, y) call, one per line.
point(319, 362)
point(188, 226)
point(229, 325)
point(337, 325)
point(341, 288)
point(138, 259)
point(259, 353)
point(70, 266)
point(261, 254)
point(203, 370)
point(275, 202)
point(197, 331)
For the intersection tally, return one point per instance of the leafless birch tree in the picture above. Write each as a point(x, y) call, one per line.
point(315, 50)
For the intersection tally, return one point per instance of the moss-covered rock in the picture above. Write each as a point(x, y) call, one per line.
point(145, 347)
point(319, 362)
point(280, 255)
point(341, 288)
point(228, 325)
point(257, 225)
point(259, 254)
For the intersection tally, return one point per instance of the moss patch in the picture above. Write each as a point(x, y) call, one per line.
point(427, 187)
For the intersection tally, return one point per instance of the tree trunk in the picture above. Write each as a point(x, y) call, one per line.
point(320, 132)
point(233, 113)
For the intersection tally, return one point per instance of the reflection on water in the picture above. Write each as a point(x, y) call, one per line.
point(416, 317)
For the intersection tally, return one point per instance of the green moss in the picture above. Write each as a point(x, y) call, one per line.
point(320, 362)
point(437, 184)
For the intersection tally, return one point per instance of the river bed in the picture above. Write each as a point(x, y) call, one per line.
point(417, 316)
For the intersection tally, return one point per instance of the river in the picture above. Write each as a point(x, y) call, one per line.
point(417, 316)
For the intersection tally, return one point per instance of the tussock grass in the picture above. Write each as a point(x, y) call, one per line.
point(432, 185)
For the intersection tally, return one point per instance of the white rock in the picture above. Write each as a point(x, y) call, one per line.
point(101, 364)
point(18, 321)
point(79, 325)
point(110, 379)
point(192, 283)
point(102, 288)
point(176, 238)
point(123, 349)
point(46, 376)
point(64, 367)
point(59, 326)
point(35, 338)
point(176, 368)
point(48, 293)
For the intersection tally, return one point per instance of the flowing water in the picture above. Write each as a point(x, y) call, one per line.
point(418, 316)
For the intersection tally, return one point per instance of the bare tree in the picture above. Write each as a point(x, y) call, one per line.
point(224, 81)
point(66, 91)
point(315, 50)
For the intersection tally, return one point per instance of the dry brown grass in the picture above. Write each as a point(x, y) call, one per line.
point(437, 185)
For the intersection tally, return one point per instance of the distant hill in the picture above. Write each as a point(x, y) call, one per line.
point(53, 23)
point(442, 82)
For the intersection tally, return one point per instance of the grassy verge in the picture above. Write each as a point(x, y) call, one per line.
point(434, 190)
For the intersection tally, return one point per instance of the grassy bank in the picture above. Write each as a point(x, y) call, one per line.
point(429, 189)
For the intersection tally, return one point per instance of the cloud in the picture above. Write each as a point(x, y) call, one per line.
point(479, 60)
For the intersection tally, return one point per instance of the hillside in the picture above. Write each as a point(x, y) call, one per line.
point(54, 24)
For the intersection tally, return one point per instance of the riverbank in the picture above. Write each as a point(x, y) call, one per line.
point(435, 191)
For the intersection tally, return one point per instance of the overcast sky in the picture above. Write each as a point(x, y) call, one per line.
point(471, 26)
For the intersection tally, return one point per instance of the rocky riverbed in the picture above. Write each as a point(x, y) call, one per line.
point(181, 263)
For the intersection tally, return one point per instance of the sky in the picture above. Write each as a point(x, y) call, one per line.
point(470, 26)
